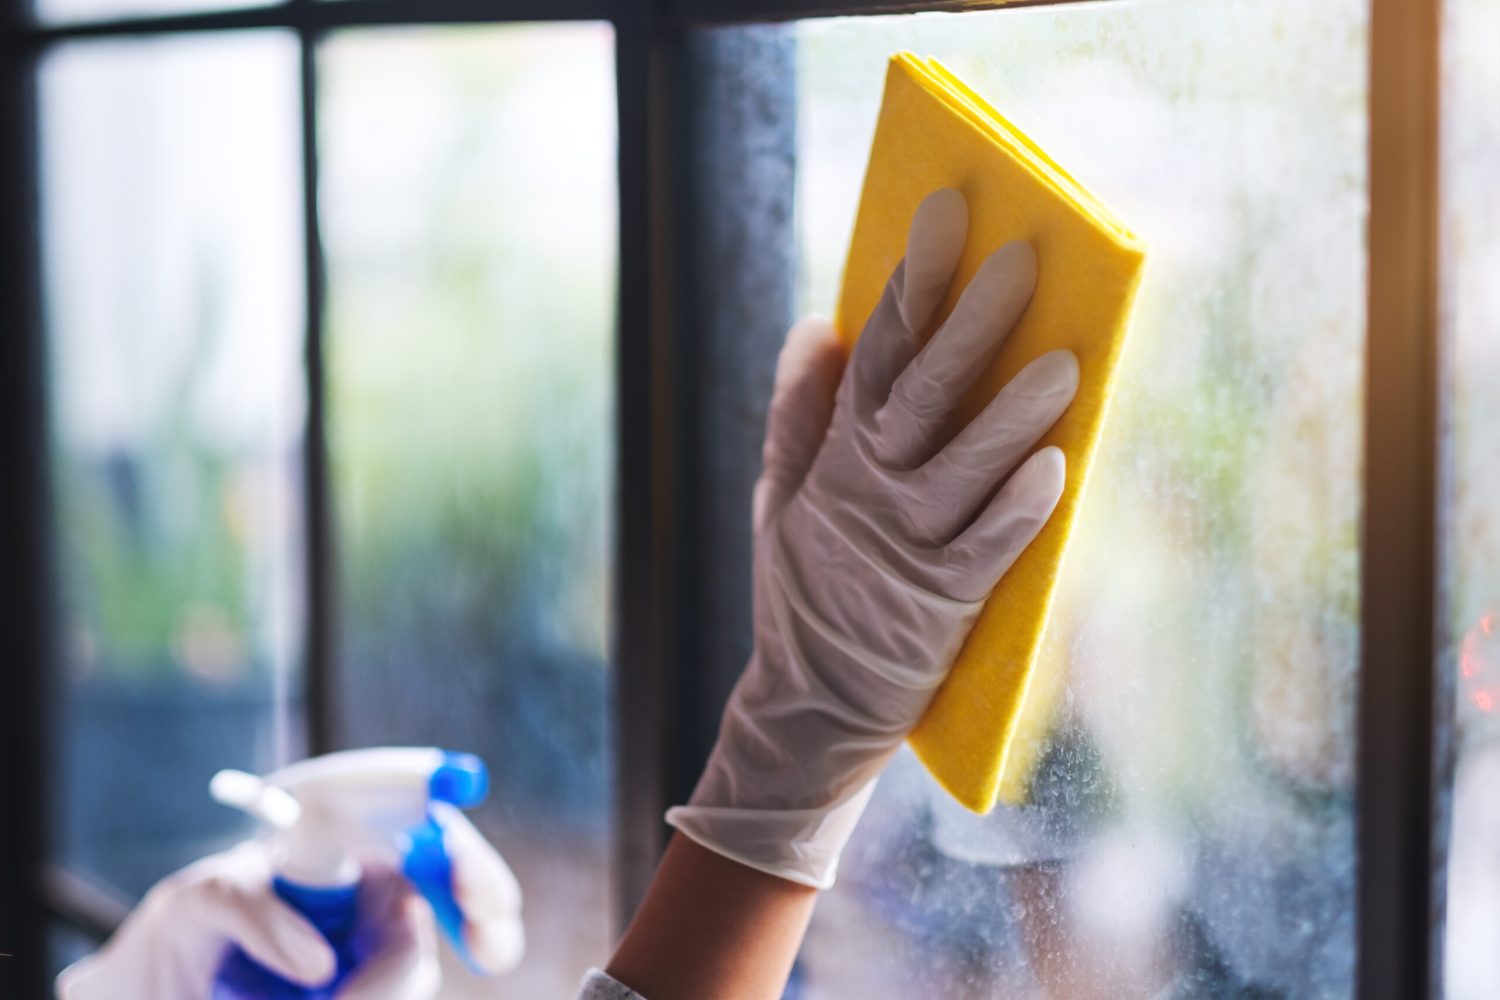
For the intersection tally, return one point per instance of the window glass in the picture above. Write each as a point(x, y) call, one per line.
point(1191, 830)
point(106, 10)
point(468, 197)
point(170, 219)
point(1471, 321)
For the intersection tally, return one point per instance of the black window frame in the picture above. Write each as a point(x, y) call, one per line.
point(665, 703)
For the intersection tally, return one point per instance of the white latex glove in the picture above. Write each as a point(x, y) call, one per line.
point(172, 945)
point(878, 540)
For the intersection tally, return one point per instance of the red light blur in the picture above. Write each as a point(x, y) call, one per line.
point(1479, 663)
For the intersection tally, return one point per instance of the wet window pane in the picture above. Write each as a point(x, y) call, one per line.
point(1471, 321)
point(1191, 831)
point(468, 197)
point(174, 305)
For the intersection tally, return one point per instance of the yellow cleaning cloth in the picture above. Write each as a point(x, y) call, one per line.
point(984, 732)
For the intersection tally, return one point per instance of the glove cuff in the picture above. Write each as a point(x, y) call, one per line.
point(799, 845)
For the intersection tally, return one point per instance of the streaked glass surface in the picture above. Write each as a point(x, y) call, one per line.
point(1471, 330)
point(1191, 832)
point(468, 197)
point(171, 227)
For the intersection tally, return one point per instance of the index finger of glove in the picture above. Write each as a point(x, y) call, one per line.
point(893, 334)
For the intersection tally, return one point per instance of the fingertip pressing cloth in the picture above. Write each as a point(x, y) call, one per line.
point(984, 732)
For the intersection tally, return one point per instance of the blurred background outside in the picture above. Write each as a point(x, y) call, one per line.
point(468, 210)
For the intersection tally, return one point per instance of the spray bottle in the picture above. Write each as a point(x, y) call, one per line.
point(326, 813)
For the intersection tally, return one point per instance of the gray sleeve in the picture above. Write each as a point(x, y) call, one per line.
point(598, 986)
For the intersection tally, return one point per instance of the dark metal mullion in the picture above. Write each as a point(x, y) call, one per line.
point(737, 297)
point(707, 123)
point(645, 654)
point(26, 591)
point(1399, 600)
point(319, 658)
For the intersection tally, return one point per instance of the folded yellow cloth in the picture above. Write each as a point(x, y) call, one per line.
point(985, 730)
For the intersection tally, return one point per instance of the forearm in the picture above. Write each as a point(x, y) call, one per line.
point(711, 927)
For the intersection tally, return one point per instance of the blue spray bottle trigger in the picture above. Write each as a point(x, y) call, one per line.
point(461, 780)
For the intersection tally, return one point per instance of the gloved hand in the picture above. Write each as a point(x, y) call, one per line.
point(172, 945)
point(878, 539)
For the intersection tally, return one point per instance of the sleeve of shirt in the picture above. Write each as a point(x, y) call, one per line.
point(598, 986)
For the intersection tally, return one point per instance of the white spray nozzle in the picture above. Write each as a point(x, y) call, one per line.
point(329, 810)
point(252, 794)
